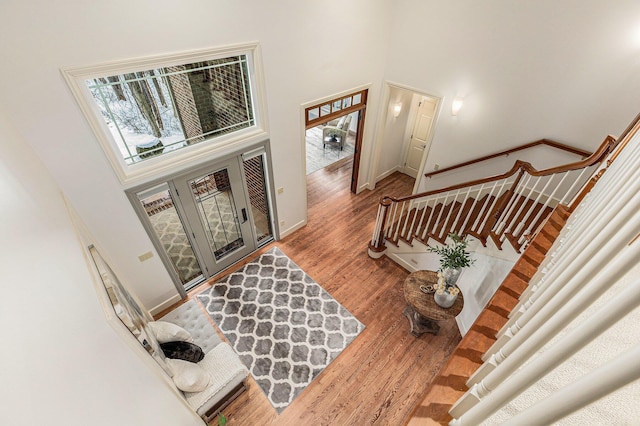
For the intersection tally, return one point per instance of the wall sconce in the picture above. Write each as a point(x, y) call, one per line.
point(456, 105)
point(396, 110)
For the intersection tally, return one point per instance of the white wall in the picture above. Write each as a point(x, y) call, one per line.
point(527, 70)
point(304, 59)
point(392, 142)
point(62, 364)
point(540, 156)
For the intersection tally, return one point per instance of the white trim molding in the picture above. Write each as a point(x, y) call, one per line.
point(130, 174)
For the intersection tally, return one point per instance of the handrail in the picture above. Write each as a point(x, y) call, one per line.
point(599, 155)
point(625, 137)
point(499, 215)
point(547, 142)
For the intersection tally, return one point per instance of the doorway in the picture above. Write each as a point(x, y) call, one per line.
point(334, 121)
point(420, 137)
point(405, 133)
point(331, 143)
point(204, 220)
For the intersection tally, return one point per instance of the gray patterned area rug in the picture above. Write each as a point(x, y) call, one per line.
point(282, 324)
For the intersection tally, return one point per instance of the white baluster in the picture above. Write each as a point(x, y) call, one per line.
point(397, 225)
point(578, 292)
point(501, 223)
point(501, 391)
point(444, 203)
point(613, 375)
point(473, 206)
point(376, 229)
point(421, 221)
point(509, 229)
point(542, 208)
point(426, 227)
point(569, 193)
point(393, 219)
point(485, 214)
point(463, 202)
point(444, 225)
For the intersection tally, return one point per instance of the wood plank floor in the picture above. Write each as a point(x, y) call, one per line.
point(384, 373)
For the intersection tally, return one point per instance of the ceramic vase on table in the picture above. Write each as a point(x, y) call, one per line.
point(445, 299)
point(451, 275)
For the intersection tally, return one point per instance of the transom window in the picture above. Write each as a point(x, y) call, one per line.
point(155, 115)
point(160, 110)
point(319, 114)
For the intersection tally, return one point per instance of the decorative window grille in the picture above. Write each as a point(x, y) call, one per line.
point(159, 110)
point(154, 116)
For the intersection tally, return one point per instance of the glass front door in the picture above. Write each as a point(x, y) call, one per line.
point(167, 226)
point(206, 220)
point(215, 204)
point(217, 212)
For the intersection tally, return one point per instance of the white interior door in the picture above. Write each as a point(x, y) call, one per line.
point(419, 137)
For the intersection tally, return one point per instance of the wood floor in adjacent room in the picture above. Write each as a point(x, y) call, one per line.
point(381, 376)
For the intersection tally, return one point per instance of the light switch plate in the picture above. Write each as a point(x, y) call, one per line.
point(145, 256)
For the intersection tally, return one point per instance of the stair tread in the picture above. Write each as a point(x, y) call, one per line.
point(450, 383)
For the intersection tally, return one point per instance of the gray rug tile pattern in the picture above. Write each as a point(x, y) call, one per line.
point(284, 326)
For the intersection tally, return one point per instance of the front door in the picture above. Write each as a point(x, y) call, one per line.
point(214, 203)
point(420, 136)
point(203, 221)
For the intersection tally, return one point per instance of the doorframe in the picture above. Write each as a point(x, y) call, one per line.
point(360, 136)
point(360, 109)
point(162, 254)
point(385, 108)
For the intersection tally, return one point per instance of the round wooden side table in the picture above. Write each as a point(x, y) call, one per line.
point(422, 310)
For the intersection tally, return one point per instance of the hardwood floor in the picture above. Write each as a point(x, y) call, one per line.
point(383, 374)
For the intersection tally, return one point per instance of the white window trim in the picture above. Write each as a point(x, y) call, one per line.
point(130, 174)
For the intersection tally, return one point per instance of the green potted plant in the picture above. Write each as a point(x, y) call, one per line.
point(222, 420)
point(453, 257)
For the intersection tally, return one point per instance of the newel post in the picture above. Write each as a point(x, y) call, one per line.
point(377, 246)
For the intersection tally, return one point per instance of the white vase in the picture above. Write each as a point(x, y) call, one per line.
point(451, 275)
point(445, 300)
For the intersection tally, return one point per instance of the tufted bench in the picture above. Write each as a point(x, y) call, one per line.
point(227, 371)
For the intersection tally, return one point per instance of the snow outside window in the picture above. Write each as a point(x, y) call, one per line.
point(158, 115)
point(156, 111)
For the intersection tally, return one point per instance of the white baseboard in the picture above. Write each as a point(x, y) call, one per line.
point(387, 173)
point(363, 187)
point(164, 305)
point(292, 229)
point(400, 261)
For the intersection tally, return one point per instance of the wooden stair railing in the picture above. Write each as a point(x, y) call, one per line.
point(508, 207)
point(507, 152)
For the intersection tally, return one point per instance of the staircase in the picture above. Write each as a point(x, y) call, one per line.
point(505, 209)
point(450, 383)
